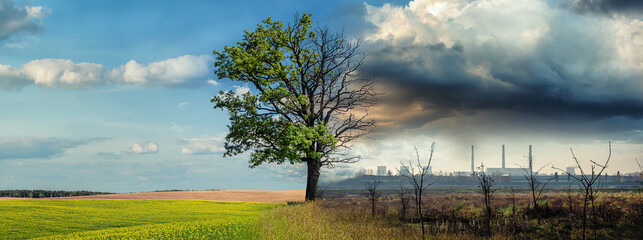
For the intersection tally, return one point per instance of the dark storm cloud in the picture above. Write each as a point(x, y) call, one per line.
point(38, 147)
point(606, 7)
point(565, 73)
point(447, 87)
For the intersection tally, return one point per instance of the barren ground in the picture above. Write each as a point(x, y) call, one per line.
point(224, 195)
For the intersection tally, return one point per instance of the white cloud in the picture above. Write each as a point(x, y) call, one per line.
point(201, 145)
point(65, 74)
point(35, 12)
point(240, 90)
point(212, 82)
point(12, 78)
point(629, 40)
point(139, 149)
point(174, 71)
point(15, 20)
point(177, 128)
point(182, 104)
point(15, 44)
point(451, 22)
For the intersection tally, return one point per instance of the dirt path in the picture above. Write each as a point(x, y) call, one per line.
point(232, 195)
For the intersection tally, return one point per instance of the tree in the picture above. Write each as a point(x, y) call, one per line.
point(536, 187)
point(486, 186)
point(587, 182)
point(403, 195)
point(371, 188)
point(307, 88)
point(416, 177)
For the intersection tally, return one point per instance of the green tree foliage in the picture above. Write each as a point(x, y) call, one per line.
point(306, 84)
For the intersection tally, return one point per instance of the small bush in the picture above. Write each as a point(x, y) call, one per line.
point(459, 205)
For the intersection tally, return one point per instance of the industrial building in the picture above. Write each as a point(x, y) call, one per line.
point(505, 171)
point(381, 170)
point(404, 170)
point(571, 170)
point(502, 171)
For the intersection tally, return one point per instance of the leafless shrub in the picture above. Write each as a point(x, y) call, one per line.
point(536, 187)
point(416, 176)
point(587, 182)
point(402, 194)
point(486, 186)
point(371, 188)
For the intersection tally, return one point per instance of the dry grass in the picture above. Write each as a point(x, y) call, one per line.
point(313, 221)
point(454, 216)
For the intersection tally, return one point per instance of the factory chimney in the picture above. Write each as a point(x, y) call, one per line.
point(503, 157)
point(473, 170)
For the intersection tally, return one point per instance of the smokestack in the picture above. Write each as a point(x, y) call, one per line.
point(530, 160)
point(503, 157)
point(473, 170)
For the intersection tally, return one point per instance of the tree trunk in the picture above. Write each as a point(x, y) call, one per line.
point(313, 177)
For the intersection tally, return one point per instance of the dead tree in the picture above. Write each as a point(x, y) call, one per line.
point(536, 187)
point(587, 182)
point(416, 176)
point(640, 173)
point(486, 183)
point(371, 188)
point(403, 194)
point(569, 197)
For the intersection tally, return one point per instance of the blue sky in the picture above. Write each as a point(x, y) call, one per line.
point(114, 95)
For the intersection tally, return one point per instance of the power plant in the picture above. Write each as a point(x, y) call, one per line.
point(504, 171)
point(473, 169)
point(504, 176)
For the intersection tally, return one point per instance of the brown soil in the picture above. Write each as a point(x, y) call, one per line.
point(10, 198)
point(237, 196)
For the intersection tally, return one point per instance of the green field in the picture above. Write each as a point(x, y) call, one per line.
point(128, 219)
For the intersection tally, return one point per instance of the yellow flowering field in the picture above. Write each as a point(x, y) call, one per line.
point(128, 219)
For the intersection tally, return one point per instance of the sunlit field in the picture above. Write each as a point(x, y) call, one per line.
point(129, 219)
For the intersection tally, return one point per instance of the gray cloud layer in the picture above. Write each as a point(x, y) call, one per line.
point(606, 7)
point(38, 147)
point(15, 19)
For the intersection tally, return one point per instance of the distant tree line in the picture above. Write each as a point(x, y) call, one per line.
point(45, 193)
